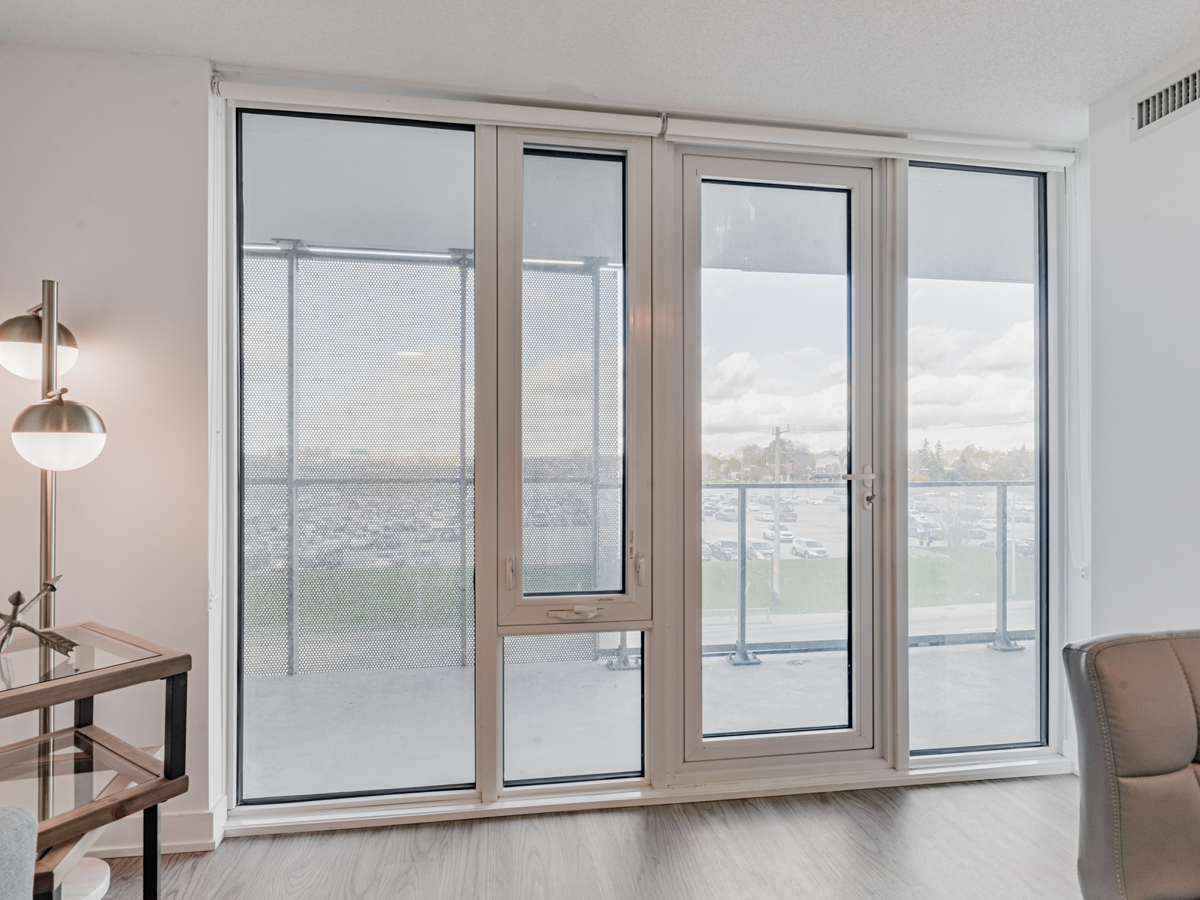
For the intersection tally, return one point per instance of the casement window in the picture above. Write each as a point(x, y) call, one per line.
point(578, 464)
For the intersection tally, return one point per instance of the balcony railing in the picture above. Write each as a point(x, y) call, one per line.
point(958, 512)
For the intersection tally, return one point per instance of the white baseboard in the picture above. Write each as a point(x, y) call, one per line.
point(375, 812)
point(182, 832)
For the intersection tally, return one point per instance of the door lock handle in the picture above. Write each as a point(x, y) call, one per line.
point(869, 477)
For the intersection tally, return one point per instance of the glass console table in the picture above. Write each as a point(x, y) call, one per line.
point(81, 778)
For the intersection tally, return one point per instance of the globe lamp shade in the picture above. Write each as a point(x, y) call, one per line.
point(58, 434)
point(21, 347)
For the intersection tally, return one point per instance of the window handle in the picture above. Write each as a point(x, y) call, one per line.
point(639, 568)
point(869, 477)
point(510, 573)
point(578, 614)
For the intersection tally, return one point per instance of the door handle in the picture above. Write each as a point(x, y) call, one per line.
point(869, 477)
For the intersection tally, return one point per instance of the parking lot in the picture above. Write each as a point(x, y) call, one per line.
point(819, 518)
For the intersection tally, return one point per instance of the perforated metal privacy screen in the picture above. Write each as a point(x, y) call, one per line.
point(358, 481)
point(573, 374)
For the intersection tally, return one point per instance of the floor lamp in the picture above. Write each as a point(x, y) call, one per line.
point(54, 434)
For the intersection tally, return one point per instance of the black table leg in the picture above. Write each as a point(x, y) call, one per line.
point(55, 894)
point(175, 732)
point(151, 852)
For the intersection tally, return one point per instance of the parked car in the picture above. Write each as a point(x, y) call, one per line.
point(987, 524)
point(925, 532)
point(809, 549)
point(706, 553)
point(784, 534)
point(728, 548)
point(727, 514)
point(976, 534)
point(789, 516)
point(764, 517)
point(759, 550)
point(834, 497)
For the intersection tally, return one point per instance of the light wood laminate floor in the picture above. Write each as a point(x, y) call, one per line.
point(1001, 839)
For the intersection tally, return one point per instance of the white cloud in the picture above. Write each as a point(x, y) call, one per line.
point(731, 377)
point(969, 400)
point(802, 354)
point(930, 345)
point(1012, 350)
point(834, 372)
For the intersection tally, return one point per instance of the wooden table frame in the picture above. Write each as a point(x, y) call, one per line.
point(141, 781)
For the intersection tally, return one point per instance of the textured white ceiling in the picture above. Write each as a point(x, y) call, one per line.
point(1012, 68)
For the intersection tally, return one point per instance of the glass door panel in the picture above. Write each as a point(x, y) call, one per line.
point(357, 482)
point(782, 417)
point(775, 293)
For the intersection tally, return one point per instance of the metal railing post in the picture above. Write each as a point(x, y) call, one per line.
point(1002, 641)
point(462, 460)
point(740, 657)
point(594, 263)
point(293, 583)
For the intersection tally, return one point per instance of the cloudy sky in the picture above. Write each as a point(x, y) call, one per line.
point(774, 353)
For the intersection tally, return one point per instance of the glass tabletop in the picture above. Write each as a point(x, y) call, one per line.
point(20, 666)
point(72, 769)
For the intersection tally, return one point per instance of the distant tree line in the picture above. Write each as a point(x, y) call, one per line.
point(932, 463)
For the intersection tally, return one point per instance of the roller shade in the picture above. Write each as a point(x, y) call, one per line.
point(972, 226)
point(574, 207)
point(773, 228)
point(354, 184)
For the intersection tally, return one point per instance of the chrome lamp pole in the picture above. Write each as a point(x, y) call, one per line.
point(54, 434)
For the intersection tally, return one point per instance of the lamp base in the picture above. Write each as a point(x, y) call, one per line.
point(89, 880)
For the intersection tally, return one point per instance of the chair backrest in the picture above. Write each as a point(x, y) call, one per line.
point(1137, 705)
point(18, 852)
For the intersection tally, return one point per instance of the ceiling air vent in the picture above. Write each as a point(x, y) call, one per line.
point(1167, 102)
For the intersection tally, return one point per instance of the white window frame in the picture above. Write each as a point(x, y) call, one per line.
point(858, 181)
point(670, 777)
point(632, 606)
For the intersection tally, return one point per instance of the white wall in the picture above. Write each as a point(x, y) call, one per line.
point(103, 187)
point(1146, 366)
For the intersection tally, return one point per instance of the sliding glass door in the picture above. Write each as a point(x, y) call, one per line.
point(357, 519)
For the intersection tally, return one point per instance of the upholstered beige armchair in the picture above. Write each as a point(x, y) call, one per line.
point(18, 852)
point(1137, 702)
